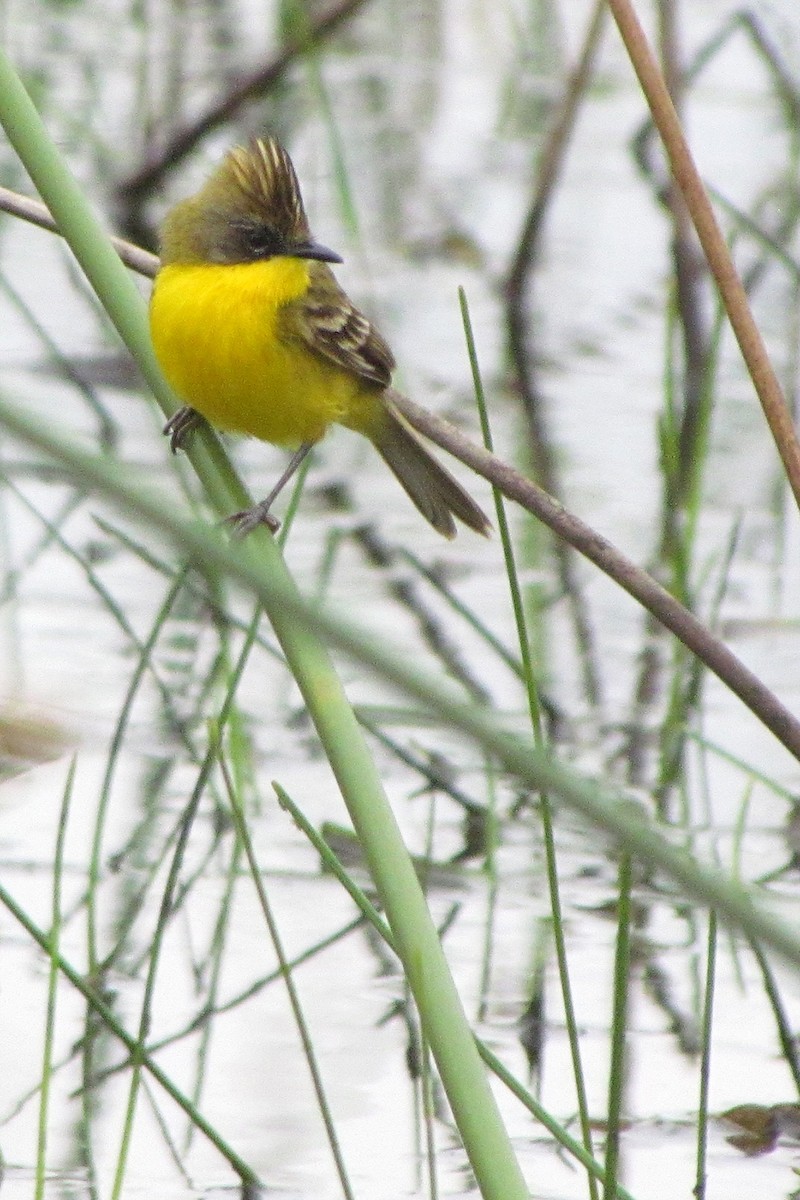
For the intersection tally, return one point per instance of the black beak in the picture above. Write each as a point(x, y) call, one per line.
point(311, 249)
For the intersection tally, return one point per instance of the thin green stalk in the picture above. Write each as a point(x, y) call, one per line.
point(169, 902)
point(205, 1016)
point(619, 1026)
point(113, 1026)
point(174, 1151)
point(490, 831)
point(534, 709)
point(753, 772)
point(288, 980)
point(117, 741)
point(685, 688)
point(333, 866)
point(213, 970)
point(698, 460)
point(498, 1068)
point(787, 1036)
point(164, 916)
point(427, 1079)
point(429, 1116)
point(52, 985)
point(547, 1121)
point(705, 1061)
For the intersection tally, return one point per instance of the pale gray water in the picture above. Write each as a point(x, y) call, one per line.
point(459, 74)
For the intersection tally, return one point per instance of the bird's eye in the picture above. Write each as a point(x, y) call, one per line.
point(260, 241)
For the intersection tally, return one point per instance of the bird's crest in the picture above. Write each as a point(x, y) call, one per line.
point(264, 174)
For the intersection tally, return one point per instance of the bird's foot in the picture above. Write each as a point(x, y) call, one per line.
point(249, 519)
point(180, 427)
point(244, 522)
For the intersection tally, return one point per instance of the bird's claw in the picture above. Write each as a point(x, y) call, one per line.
point(248, 519)
point(180, 427)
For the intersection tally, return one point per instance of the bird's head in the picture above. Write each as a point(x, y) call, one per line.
point(249, 210)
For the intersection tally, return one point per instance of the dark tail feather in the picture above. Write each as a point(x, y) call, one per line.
point(433, 490)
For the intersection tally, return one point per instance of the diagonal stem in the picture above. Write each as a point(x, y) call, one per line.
point(715, 248)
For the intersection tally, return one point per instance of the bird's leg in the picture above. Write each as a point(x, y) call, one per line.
point(180, 426)
point(250, 518)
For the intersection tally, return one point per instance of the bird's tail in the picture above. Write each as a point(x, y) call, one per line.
point(437, 495)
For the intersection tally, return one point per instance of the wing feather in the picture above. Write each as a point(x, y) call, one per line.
point(330, 325)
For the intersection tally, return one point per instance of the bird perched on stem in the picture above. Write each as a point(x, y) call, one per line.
point(254, 333)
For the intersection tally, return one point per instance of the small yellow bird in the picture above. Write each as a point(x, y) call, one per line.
point(252, 330)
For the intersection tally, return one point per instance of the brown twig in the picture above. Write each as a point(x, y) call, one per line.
point(689, 306)
point(637, 583)
point(714, 246)
point(160, 161)
point(36, 213)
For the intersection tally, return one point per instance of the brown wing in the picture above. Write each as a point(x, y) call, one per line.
point(328, 323)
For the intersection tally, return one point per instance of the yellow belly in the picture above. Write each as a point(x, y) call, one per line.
point(214, 334)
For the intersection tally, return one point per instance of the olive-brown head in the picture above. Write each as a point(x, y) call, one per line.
point(249, 210)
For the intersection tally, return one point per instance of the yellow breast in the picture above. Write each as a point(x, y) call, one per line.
point(215, 333)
